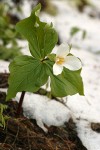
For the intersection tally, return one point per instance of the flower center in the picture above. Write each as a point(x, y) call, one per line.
point(59, 60)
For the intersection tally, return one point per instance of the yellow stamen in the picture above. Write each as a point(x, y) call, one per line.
point(59, 60)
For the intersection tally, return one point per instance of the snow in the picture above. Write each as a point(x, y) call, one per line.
point(24, 47)
point(90, 138)
point(45, 111)
point(83, 109)
point(4, 66)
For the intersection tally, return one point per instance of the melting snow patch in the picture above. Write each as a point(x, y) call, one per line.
point(45, 111)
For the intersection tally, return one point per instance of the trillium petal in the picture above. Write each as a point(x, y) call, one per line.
point(72, 63)
point(57, 69)
point(63, 50)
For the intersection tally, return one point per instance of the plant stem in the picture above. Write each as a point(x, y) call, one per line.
point(20, 104)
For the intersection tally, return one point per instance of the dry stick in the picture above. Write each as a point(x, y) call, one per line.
point(20, 104)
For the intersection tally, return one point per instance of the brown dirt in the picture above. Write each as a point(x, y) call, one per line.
point(4, 80)
point(24, 134)
point(95, 127)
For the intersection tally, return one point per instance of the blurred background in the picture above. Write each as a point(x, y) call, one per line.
point(77, 22)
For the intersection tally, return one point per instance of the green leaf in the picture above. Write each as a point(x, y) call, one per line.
point(26, 74)
point(2, 22)
point(1, 125)
point(41, 37)
point(9, 53)
point(74, 30)
point(67, 83)
point(84, 34)
point(3, 118)
point(52, 57)
point(10, 34)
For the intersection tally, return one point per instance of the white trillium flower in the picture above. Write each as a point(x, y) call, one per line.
point(64, 60)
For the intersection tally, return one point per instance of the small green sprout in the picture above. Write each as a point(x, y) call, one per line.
point(75, 30)
point(3, 117)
